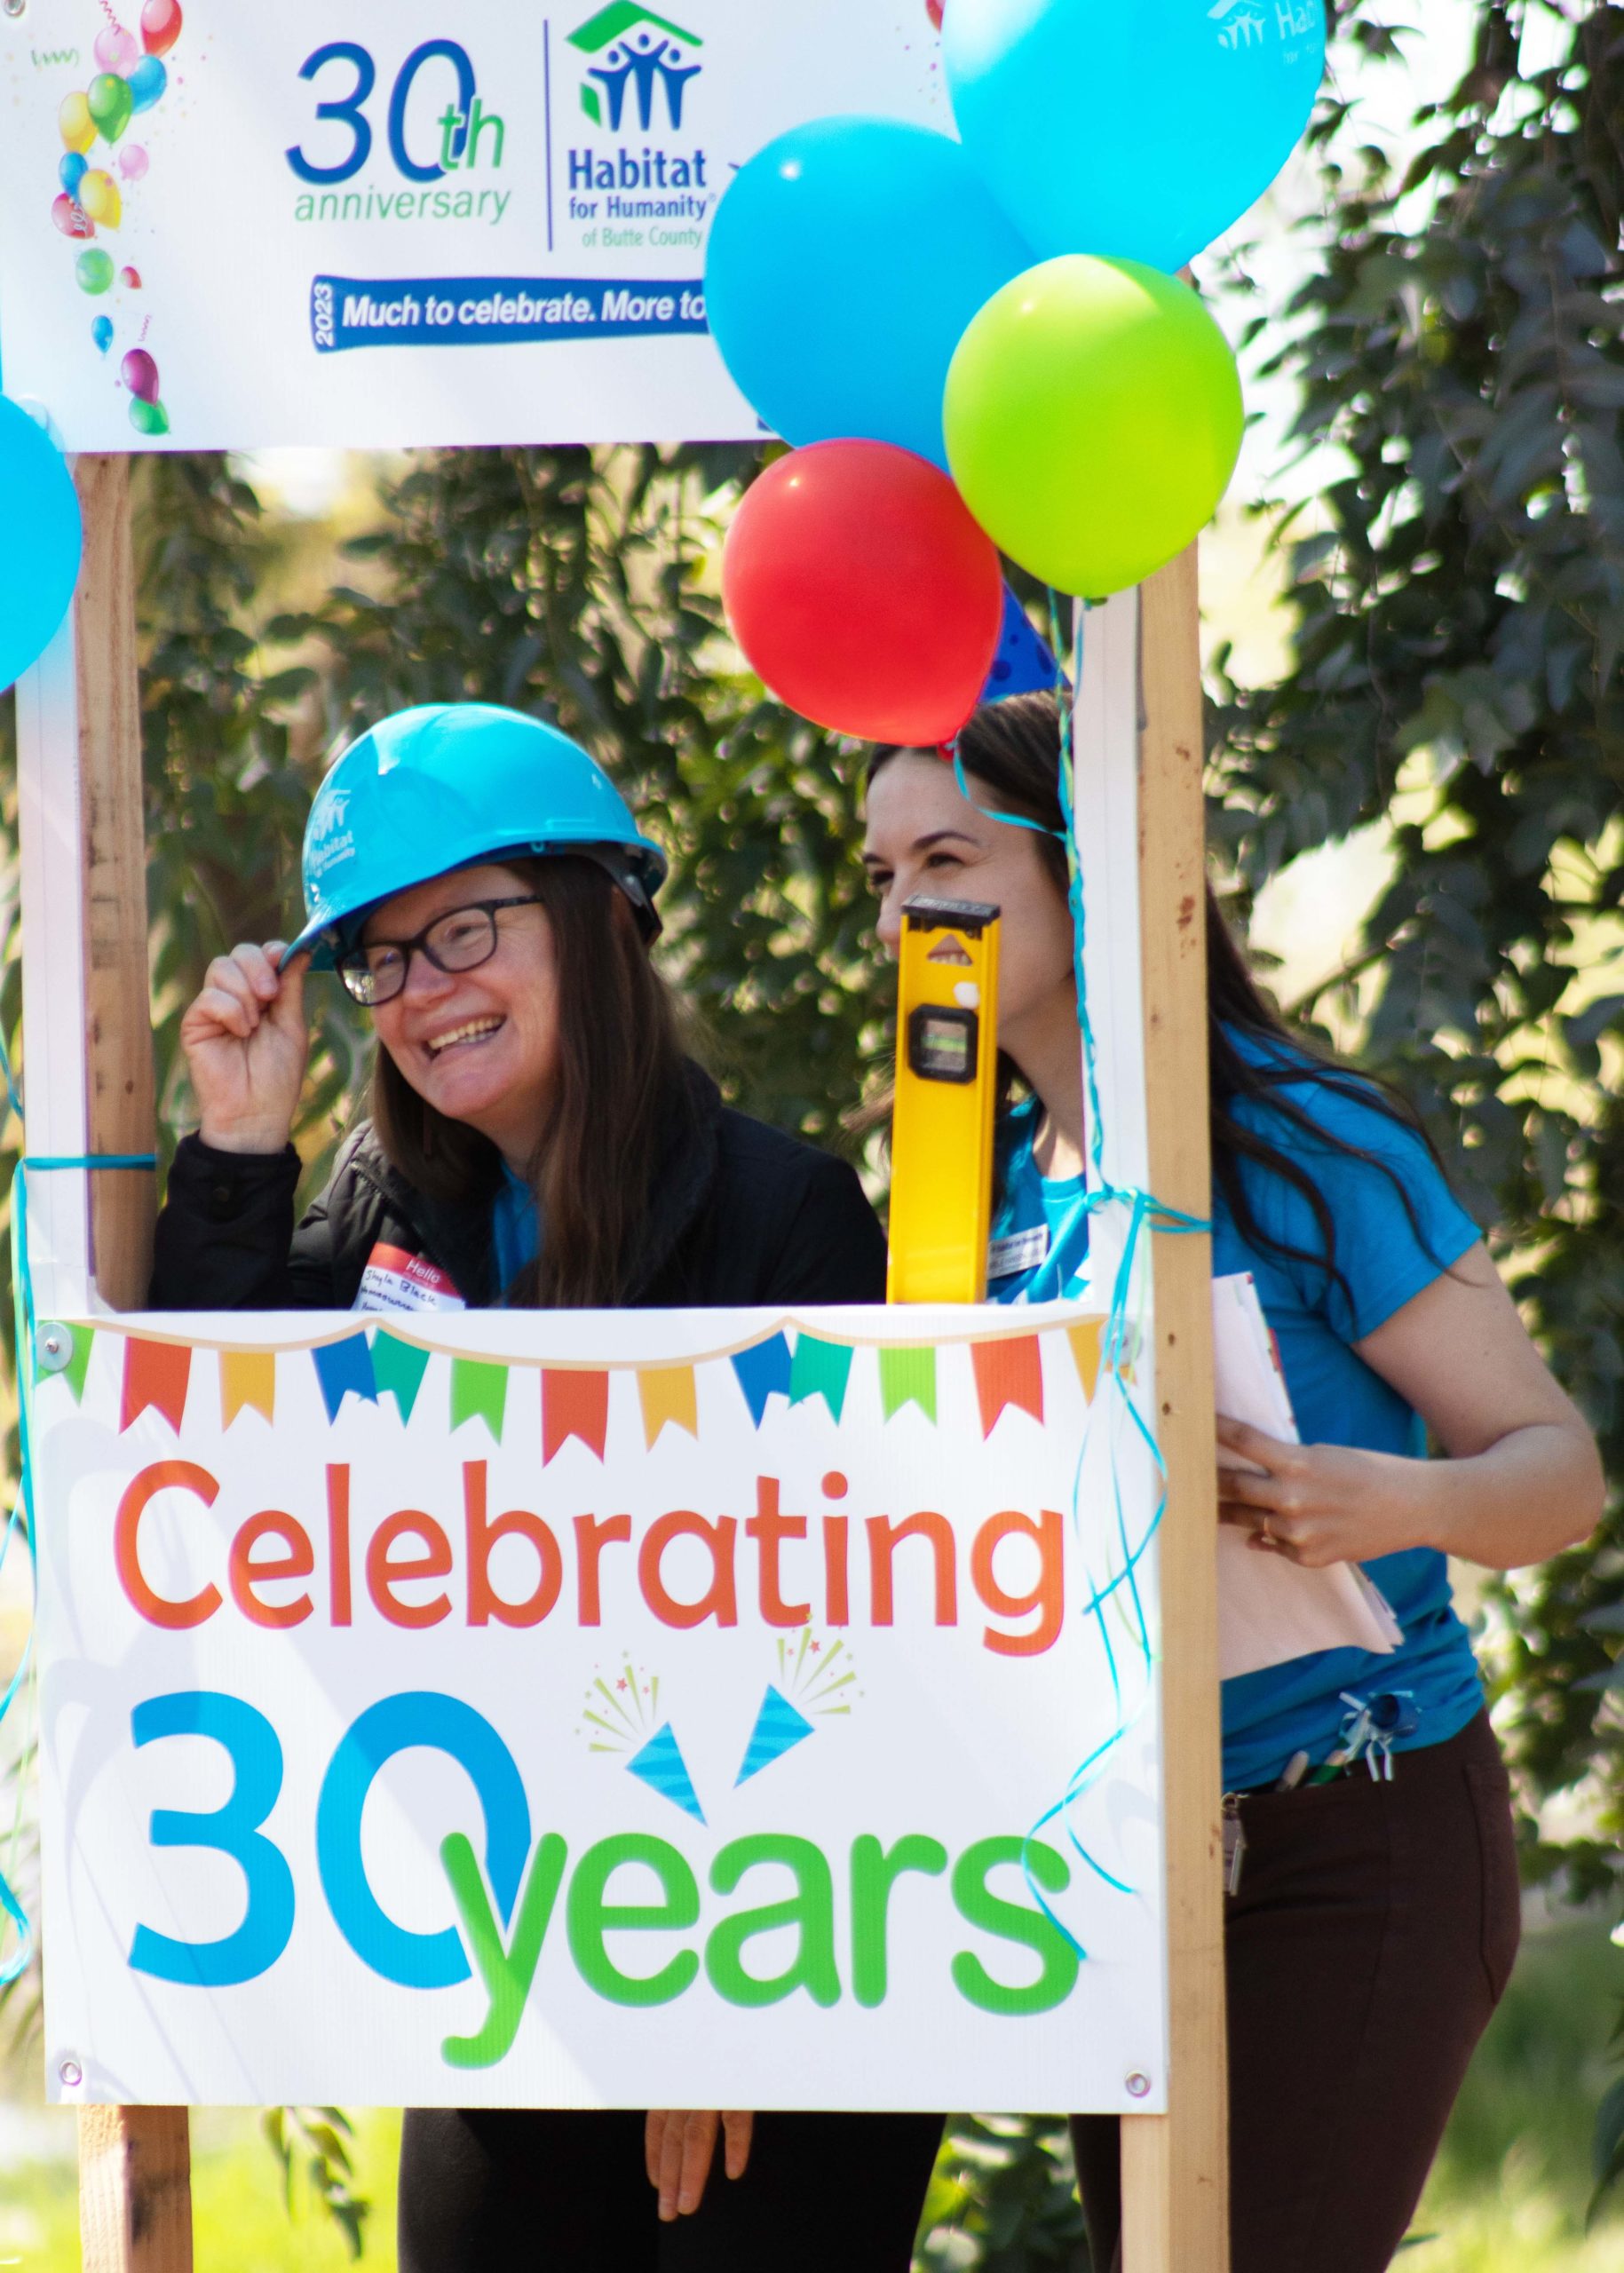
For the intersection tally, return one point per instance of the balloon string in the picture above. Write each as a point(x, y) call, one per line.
point(1119, 1597)
point(22, 1515)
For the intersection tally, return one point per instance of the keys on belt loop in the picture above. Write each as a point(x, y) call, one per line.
point(1235, 1842)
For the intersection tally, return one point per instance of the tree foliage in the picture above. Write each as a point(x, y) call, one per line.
point(1458, 594)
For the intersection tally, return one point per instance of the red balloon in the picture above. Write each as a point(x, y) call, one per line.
point(71, 218)
point(131, 277)
point(863, 593)
point(140, 374)
point(160, 26)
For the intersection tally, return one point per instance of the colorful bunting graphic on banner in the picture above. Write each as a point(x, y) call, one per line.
point(907, 1376)
point(661, 1766)
point(1007, 1373)
point(73, 1373)
point(248, 1379)
point(155, 1373)
point(1085, 1341)
point(342, 1367)
point(479, 1390)
point(763, 1372)
point(667, 1393)
point(573, 1404)
point(778, 1728)
point(820, 1369)
point(398, 1367)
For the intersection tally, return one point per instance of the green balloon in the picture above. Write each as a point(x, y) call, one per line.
point(148, 417)
point(1093, 418)
point(112, 105)
point(94, 269)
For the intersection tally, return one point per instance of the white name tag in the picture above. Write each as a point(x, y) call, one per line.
point(395, 1280)
point(1018, 1251)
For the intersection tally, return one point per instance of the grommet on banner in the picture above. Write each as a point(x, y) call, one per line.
point(53, 1347)
point(70, 2072)
point(1139, 2084)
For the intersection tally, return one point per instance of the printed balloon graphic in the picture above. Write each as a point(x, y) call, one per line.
point(71, 218)
point(132, 161)
point(70, 173)
point(160, 26)
point(933, 9)
point(116, 49)
point(140, 374)
point(131, 278)
point(101, 332)
point(111, 104)
point(98, 193)
point(148, 417)
point(75, 124)
point(147, 82)
point(94, 269)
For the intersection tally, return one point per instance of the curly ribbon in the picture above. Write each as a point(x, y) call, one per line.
point(1118, 1596)
point(21, 1514)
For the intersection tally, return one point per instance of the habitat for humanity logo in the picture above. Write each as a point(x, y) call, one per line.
point(638, 54)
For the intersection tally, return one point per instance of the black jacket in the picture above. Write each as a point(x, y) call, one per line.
point(741, 1214)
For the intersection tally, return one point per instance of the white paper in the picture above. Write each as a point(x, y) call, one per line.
point(159, 1546)
point(1270, 1609)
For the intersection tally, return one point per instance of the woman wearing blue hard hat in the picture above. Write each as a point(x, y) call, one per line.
point(536, 1137)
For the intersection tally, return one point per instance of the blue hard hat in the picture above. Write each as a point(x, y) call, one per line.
point(446, 785)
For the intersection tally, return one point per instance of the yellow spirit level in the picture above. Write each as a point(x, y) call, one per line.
point(941, 1141)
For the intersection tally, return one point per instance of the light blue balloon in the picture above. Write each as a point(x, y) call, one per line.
point(146, 80)
point(40, 537)
point(1138, 129)
point(101, 332)
point(72, 171)
point(846, 260)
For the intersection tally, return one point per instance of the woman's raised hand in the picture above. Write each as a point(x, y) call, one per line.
point(246, 1045)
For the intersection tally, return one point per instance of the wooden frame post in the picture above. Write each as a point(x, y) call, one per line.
point(135, 2199)
point(1175, 2166)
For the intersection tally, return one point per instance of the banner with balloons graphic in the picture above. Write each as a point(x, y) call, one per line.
point(436, 225)
point(1007, 307)
point(623, 1709)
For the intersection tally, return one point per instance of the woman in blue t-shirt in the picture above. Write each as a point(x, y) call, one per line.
point(1372, 1924)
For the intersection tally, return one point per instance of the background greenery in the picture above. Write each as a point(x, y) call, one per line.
point(1451, 550)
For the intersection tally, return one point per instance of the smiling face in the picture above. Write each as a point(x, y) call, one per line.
point(480, 1046)
point(923, 836)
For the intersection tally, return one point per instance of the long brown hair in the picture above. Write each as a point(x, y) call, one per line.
point(1013, 749)
point(620, 1090)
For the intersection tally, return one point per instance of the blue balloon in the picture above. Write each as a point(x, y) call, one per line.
point(40, 537)
point(1138, 129)
point(72, 170)
point(846, 260)
point(147, 80)
point(101, 332)
point(1022, 661)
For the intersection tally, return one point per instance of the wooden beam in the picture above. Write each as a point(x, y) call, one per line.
point(135, 2201)
point(1175, 2166)
point(135, 2190)
point(118, 1013)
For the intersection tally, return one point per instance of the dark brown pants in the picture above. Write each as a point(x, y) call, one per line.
point(1372, 1935)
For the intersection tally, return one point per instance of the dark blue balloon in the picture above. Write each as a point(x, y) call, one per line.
point(40, 536)
point(1022, 663)
point(846, 260)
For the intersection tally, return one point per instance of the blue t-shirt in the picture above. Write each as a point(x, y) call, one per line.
point(515, 1231)
point(1038, 1218)
point(1336, 1398)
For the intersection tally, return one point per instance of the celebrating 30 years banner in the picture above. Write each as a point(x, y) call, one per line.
point(368, 226)
point(662, 1709)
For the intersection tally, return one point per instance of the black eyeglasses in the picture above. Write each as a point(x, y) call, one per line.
point(461, 940)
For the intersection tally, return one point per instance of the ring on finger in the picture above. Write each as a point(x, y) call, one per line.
point(1265, 1537)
